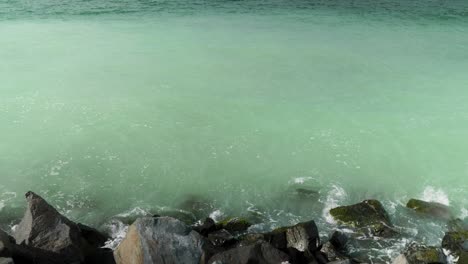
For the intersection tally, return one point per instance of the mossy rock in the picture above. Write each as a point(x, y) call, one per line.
point(235, 224)
point(421, 254)
point(430, 208)
point(456, 241)
point(366, 215)
point(463, 258)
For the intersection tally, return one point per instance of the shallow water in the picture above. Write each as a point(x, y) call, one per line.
point(107, 106)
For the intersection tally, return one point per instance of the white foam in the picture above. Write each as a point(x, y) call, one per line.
point(430, 194)
point(451, 259)
point(217, 215)
point(301, 180)
point(335, 196)
point(137, 211)
point(464, 213)
point(117, 231)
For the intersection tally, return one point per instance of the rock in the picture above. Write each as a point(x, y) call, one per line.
point(456, 241)
point(252, 238)
point(303, 237)
point(420, 254)
point(92, 236)
point(221, 238)
point(303, 193)
point(296, 256)
point(236, 224)
point(44, 228)
point(401, 259)
point(6, 261)
point(161, 240)
point(368, 215)
point(430, 208)
point(6, 243)
point(101, 256)
point(339, 240)
point(187, 217)
point(259, 253)
point(206, 227)
point(463, 258)
point(332, 253)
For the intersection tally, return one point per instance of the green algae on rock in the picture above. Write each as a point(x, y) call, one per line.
point(235, 224)
point(368, 214)
point(421, 254)
point(455, 241)
point(430, 208)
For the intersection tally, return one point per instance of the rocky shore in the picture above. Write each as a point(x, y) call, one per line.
point(45, 236)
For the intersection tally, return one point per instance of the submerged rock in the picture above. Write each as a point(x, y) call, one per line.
point(235, 224)
point(420, 254)
point(430, 208)
point(368, 214)
point(456, 241)
point(44, 228)
point(187, 217)
point(457, 225)
point(197, 205)
point(160, 240)
point(259, 253)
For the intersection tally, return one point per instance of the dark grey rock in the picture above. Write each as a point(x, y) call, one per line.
point(368, 216)
point(161, 240)
point(6, 261)
point(221, 238)
point(206, 227)
point(44, 228)
point(332, 253)
point(303, 237)
point(259, 253)
point(339, 240)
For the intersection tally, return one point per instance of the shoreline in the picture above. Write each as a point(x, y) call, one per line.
point(46, 236)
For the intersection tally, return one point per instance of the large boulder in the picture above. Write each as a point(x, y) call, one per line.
point(259, 253)
point(421, 254)
point(303, 237)
point(160, 240)
point(430, 208)
point(456, 241)
point(368, 215)
point(45, 228)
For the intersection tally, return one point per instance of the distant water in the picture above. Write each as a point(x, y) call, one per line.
point(118, 107)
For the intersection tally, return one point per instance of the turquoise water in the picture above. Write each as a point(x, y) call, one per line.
point(107, 106)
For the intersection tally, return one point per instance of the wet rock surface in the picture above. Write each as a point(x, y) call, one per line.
point(44, 236)
point(369, 216)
